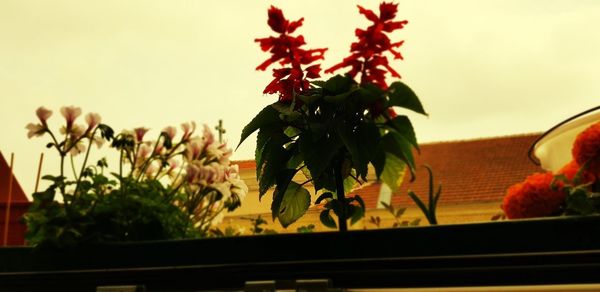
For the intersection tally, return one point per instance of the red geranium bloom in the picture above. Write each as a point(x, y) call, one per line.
point(533, 198)
point(286, 50)
point(571, 169)
point(586, 148)
point(367, 53)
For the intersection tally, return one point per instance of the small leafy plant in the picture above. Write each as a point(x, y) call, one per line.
point(171, 189)
point(329, 132)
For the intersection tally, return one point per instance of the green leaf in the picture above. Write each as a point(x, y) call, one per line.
point(361, 141)
point(579, 202)
point(338, 84)
point(275, 162)
point(308, 99)
point(395, 144)
point(394, 172)
point(357, 214)
point(401, 95)
point(326, 219)
point(369, 93)
point(318, 154)
point(323, 196)
point(267, 116)
point(295, 202)
point(402, 125)
point(319, 83)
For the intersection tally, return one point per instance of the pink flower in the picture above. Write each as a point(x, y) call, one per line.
point(93, 120)
point(188, 129)
point(43, 114)
point(70, 113)
point(170, 131)
point(36, 130)
point(209, 138)
point(139, 133)
point(194, 149)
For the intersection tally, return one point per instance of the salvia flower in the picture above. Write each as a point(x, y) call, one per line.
point(535, 197)
point(367, 54)
point(586, 148)
point(287, 50)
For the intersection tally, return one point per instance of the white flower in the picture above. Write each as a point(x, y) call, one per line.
point(43, 114)
point(170, 131)
point(93, 120)
point(70, 113)
point(188, 130)
point(209, 138)
point(194, 149)
point(79, 147)
point(239, 188)
point(36, 130)
point(139, 133)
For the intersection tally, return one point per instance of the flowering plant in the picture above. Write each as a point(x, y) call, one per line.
point(574, 190)
point(331, 131)
point(173, 188)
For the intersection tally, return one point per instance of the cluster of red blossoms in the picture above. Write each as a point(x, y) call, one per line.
point(535, 197)
point(287, 50)
point(367, 56)
point(368, 52)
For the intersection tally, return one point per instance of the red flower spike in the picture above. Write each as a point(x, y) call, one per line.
point(286, 50)
point(368, 52)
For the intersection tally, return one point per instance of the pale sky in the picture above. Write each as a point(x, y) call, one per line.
point(481, 67)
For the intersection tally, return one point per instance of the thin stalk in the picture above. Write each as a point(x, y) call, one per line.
point(339, 182)
point(85, 159)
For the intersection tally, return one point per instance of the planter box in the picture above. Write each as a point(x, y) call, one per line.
point(541, 251)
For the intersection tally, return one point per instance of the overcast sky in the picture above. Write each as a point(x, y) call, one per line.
point(481, 68)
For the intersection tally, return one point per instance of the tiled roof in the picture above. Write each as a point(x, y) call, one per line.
point(470, 171)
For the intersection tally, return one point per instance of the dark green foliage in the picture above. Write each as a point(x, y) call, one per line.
point(331, 133)
point(99, 212)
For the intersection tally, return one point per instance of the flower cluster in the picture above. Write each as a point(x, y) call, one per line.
point(197, 166)
point(586, 149)
point(547, 194)
point(286, 49)
point(194, 171)
point(367, 54)
point(533, 198)
point(74, 134)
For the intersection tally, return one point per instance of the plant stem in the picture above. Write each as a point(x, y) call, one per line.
point(339, 182)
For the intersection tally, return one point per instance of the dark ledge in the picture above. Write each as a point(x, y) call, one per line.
point(542, 251)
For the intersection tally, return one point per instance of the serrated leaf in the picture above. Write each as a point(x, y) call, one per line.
point(403, 96)
point(267, 116)
point(295, 202)
point(275, 162)
point(579, 202)
point(403, 126)
point(326, 219)
point(318, 154)
point(393, 172)
point(283, 180)
point(361, 141)
point(399, 147)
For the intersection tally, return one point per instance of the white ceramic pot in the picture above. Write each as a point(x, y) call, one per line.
point(553, 150)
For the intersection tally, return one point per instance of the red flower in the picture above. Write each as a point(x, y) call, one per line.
point(571, 169)
point(367, 53)
point(533, 198)
point(586, 148)
point(286, 50)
